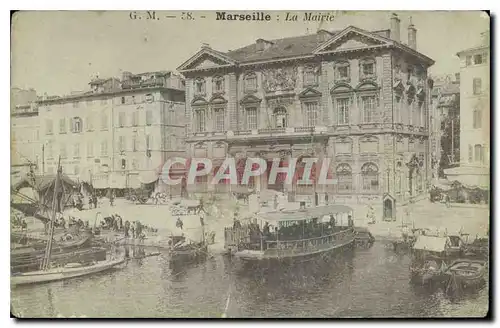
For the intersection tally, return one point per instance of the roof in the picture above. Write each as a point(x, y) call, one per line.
point(473, 49)
point(286, 47)
point(430, 243)
point(296, 46)
point(304, 214)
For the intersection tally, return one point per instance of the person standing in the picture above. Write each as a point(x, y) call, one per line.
point(179, 224)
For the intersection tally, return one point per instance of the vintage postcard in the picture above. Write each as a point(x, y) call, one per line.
point(260, 164)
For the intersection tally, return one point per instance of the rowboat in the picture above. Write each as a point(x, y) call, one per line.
point(466, 273)
point(185, 251)
point(71, 270)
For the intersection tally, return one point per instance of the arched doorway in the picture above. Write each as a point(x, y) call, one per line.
point(389, 208)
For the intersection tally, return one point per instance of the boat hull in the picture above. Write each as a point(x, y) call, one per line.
point(56, 274)
point(327, 253)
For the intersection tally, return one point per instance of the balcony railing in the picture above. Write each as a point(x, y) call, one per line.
point(272, 130)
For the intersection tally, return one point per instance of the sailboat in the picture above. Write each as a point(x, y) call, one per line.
point(48, 273)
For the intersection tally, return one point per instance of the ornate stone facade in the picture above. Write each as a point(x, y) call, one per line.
point(356, 98)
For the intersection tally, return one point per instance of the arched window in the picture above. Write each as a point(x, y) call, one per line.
point(344, 178)
point(77, 125)
point(369, 175)
point(280, 118)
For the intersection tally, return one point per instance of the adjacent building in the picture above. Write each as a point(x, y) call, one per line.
point(445, 124)
point(25, 123)
point(360, 98)
point(117, 133)
point(474, 167)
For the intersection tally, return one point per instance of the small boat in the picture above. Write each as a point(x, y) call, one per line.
point(363, 238)
point(70, 270)
point(183, 250)
point(29, 263)
point(466, 273)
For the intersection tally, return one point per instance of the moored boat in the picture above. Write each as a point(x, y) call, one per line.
point(466, 273)
point(71, 270)
point(292, 235)
point(183, 250)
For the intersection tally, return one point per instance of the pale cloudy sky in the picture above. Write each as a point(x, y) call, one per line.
point(58, 52)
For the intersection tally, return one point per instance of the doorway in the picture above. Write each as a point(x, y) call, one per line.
point(388, 209)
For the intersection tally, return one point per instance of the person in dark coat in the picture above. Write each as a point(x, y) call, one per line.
point(179, 224)
point(126, 228)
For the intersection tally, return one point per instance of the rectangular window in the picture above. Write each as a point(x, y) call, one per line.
point(343, 110)
point(250, 83)
point(368, 103)
point(200, 120)
point(368, 69)
point(343, 72)
point(62, 151)
point(90, 123)
point(123, 100)
point(62, 125)
point(134, 143)
point(478, 59)
point(48, 127)
point(104, 148)
point(251, 118)
point(219, 119)
point(121, 143)
point(476, 119)
point(476, 86)
point(135, 118)
point(90, 149)
point(104, 122)
point(76, 150)
point(50, 151)
point(468, 60)
point(478, 153)
point(311, 113)
point(149, 117)
point(121, 119)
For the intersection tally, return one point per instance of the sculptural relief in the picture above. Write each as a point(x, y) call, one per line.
point(280, 79)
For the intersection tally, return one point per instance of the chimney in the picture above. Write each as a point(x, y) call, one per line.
point(263, 44)
point(205, 46)
point(412, 36)
point(395, 28)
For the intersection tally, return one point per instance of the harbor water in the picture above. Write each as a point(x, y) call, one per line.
point(359, 283)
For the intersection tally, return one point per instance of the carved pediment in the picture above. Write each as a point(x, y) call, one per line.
point(250, 99)
point(206, 58)
point(368, 138)
point(310, 93)
point(341, 88)
point(199, 101)
point(351, 38)
point(217, 99)
point(367, 85)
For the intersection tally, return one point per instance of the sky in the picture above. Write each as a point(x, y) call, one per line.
point(59, 52)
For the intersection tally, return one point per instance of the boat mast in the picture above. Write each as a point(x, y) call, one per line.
point(48, 250)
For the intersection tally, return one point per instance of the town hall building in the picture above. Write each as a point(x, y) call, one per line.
point(357, 97)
